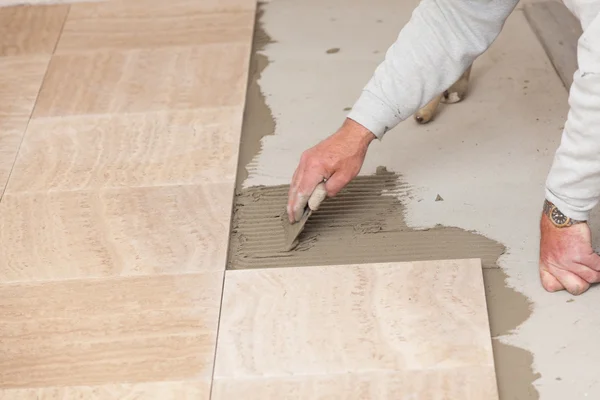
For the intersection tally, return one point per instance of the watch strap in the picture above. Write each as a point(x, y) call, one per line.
point(556, 216)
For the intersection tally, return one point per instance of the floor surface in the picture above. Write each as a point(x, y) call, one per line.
point(120, 127)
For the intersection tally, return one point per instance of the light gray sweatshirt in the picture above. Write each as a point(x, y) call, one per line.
point(444, 37)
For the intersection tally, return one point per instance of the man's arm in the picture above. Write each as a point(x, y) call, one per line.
point(567, 259)
point(441, 40)
point(573, 183)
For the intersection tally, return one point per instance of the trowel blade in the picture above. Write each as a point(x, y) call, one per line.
point(292, 231)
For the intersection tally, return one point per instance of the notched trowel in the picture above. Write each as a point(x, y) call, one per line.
point(292, 231)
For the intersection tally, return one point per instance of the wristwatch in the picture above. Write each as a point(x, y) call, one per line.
point(557, 218)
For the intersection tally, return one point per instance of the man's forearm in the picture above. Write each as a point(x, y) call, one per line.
point(441, 40)
point(573, 184)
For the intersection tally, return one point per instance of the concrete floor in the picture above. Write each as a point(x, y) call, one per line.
point(487, 157)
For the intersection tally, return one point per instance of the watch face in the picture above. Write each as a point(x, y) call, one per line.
point(558, 217)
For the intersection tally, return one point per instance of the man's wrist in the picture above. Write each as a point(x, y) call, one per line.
point(358, 131)
point(557, 217)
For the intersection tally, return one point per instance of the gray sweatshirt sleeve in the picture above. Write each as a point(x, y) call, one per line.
point(441, 40)
point(573, 183)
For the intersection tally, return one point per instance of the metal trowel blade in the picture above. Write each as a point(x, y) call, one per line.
point(292, 231)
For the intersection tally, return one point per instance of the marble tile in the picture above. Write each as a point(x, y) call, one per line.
point(163, 79)
point(196, 390)
point(467, 383)
point(110, 233)
point(7, 3)
point(121, 330)
point(20, 82)
point(129, 150)
point(26, 29)
point(379, 318)
point(9, 146)
point(123, 24)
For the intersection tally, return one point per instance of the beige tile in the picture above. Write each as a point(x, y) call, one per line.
point(30, 29)
point(353, 319)
point(9, 145)
point(196, 390)
point(67, 235)
point(120, 330)
point(198, 146)
point(20, 82)
point(469, 383)
point(123, 24)
point(145, 80)
point(6, 3)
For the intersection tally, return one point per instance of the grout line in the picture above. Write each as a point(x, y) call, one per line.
point(131, 382)
point(54, 118)
point(250, 48)
point(374, 371)
point(101, 189)
point(101, 50)
point(114, 49)
point(3, 191)
point(106, 278)
point(212, 372)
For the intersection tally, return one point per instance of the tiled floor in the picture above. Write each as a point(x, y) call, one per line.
point(375, 329)
point(119, 132)
point(114, 222)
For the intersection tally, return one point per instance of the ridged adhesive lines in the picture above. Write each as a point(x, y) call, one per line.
point(363, 224)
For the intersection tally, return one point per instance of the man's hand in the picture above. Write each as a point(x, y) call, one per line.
point(337, 160)
point(567, 260)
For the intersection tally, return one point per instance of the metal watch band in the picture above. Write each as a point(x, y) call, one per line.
point(556, 216)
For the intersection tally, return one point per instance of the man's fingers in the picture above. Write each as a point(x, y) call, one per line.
point(549, 282)
point(335, 183)
point(586, 273)
point(571, 282)
point(307, 184)
point(592, 261)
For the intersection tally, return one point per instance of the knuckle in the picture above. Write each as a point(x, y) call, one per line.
point(305, 157)
point(346, 177)
point(578, 257)
point(592, 276)
point(313, 162)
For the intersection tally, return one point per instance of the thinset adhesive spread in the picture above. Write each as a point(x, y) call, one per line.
point(363, 224)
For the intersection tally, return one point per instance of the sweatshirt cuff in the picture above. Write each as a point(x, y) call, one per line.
point(374, 114)
point(566, 209)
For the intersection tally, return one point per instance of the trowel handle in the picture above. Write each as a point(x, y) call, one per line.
point(317, 196)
